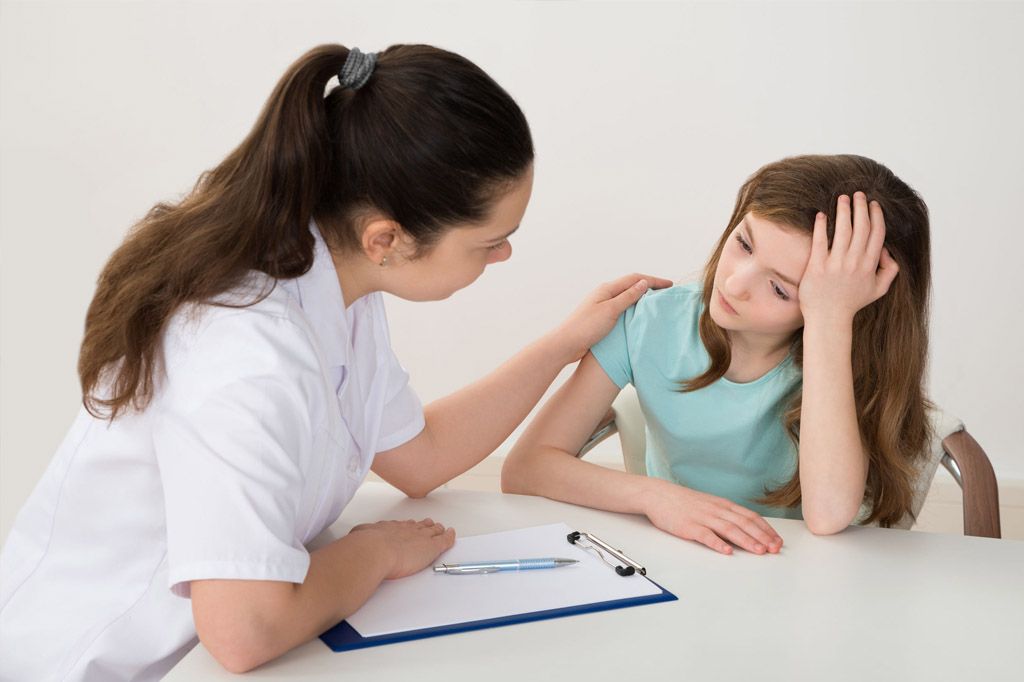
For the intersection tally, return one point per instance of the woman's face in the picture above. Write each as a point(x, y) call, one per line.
point(758, 278)
point(461, 254)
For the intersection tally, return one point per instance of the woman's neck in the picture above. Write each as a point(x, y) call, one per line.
point(357, 276)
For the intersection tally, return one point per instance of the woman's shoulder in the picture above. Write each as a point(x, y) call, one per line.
point(255, 324)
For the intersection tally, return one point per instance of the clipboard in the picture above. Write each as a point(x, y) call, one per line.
point(406, 610)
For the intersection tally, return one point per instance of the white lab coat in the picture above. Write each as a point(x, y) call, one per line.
point(265, 424)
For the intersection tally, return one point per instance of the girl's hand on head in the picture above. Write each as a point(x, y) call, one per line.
point(412, 545)
point(596, 316)
point(710, 520)
point(856, 271)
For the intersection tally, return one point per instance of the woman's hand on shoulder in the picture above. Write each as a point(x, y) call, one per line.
point(709, 520)
point(413, 544)
point(596, 316)
point(856, 271)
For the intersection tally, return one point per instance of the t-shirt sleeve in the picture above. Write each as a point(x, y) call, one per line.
point(403, 417)
point(612, 352)
point(233, 438)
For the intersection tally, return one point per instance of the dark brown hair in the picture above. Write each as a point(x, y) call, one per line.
point(890, 336)
point(429, 141)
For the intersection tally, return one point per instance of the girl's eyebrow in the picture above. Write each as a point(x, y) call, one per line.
point(750, 236)
point(506, 236)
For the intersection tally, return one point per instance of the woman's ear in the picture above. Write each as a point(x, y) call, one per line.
point(380, 239)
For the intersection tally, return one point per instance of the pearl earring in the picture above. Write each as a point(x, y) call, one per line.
point(383, 261)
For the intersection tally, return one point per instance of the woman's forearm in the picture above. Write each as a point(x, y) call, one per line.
point(833, 464)
point(466, 426)
point(245, 623)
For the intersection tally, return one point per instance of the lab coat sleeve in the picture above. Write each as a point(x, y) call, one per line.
point(233, 438)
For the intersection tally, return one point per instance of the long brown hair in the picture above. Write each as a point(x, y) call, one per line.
point(429, 140)
point(890, 336)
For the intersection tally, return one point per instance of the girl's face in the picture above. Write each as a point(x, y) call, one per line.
point(758, 278)
point(461, 254)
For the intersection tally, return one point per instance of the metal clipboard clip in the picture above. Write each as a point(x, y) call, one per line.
point(597, 544)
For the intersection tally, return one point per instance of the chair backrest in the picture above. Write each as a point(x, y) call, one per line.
point(951, 445)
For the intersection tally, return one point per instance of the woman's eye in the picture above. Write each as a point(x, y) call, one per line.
point(779, 292)
point(497, 246)
point(744, 244)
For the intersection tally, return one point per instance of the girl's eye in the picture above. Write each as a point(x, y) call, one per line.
point(497, 246)
point(779, 292)
point(743, 243)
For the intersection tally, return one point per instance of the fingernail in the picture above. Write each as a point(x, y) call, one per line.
point(642, 284)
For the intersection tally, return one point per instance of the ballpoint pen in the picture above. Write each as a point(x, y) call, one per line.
point(478, 567)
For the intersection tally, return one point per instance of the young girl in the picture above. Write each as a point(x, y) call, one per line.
point(787, 383)
point(238, 381)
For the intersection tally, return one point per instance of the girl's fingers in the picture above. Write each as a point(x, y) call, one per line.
point(706, 537)
point(425, 523)
point(775, 538)
point(887, 271)
point(737, 536)
point(819, 242)
point(844, 229)
point(861, 225)
point(751, 528)
point(874, 246)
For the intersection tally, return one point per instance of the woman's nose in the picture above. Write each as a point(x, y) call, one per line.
point(501, 255)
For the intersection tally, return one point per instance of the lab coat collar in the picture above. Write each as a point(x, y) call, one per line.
point(319, 294)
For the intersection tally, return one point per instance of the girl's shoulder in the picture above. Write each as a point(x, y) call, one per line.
point(674, 304)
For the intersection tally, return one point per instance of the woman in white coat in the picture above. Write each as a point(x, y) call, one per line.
point(238, 380)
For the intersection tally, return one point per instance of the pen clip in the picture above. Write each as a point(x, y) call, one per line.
point(465, 570)
point(631, 566)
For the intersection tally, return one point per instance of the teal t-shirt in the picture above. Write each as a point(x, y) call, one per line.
point(726, 439)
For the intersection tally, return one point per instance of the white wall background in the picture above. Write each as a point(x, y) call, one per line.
point(646, 116)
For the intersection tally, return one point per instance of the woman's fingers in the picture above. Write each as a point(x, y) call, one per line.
point(630, 282)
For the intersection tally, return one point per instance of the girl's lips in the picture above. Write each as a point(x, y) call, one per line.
point(725, 304)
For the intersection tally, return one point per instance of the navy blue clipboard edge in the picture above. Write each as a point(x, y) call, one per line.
point(343, 637)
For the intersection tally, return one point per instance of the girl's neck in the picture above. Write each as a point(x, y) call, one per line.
point(754, 355)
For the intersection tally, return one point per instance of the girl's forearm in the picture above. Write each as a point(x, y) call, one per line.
point(534, 469)
point(833, 464)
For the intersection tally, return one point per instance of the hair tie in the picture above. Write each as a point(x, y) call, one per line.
point(357, 69)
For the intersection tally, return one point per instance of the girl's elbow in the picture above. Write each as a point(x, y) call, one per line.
point(830, 523)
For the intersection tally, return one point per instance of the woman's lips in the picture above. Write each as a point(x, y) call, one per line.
point(725, 304)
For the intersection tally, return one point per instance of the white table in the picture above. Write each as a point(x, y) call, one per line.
point(867, 604)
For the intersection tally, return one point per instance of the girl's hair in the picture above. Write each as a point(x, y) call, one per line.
point(430, 141)
point(890, 336)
